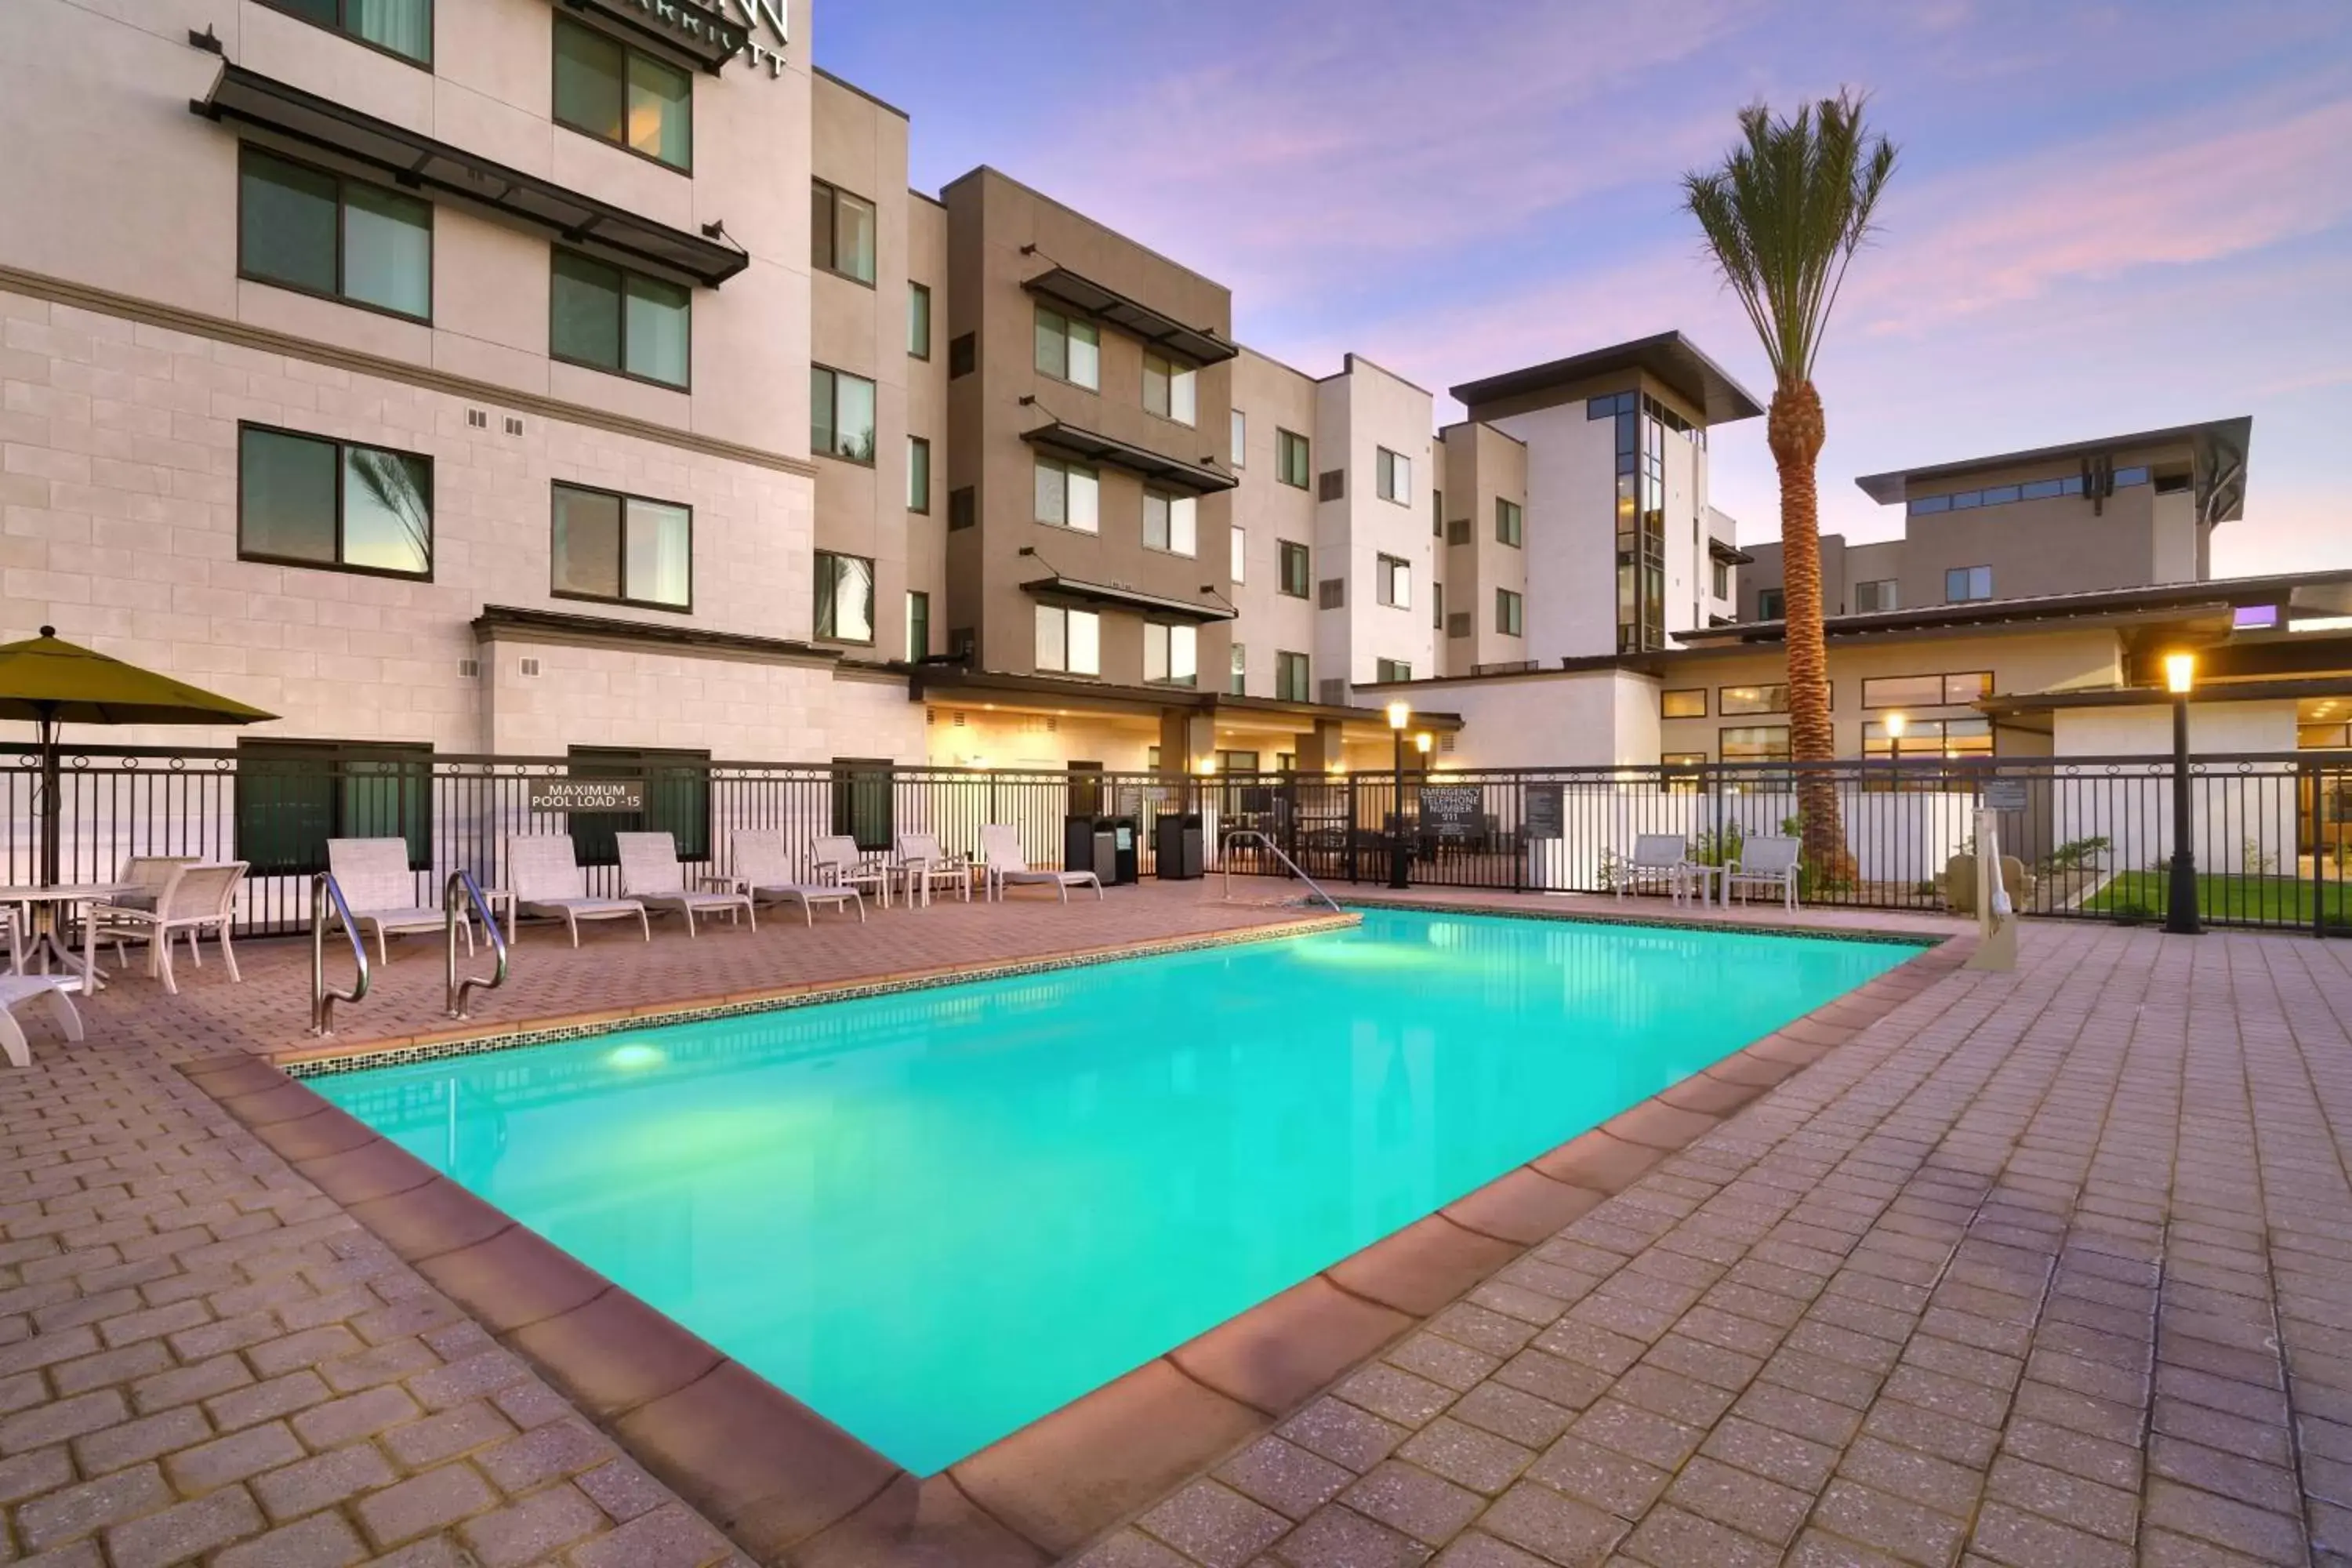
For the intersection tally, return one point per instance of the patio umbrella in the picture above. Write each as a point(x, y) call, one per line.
point(48, 682)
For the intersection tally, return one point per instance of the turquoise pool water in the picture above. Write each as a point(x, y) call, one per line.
point(938, 1215)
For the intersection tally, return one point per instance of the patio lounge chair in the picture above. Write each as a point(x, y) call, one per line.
point(18, 991)
point(544, 879)
point(1657, 857)
point(924, 864)
point(763, 868)
point(837, 861)
point(651, 875)
point(13, 921)
point(382, 891)
point(1008, 866)
point(1767, 862)
point(144, 876)
point(194, 898)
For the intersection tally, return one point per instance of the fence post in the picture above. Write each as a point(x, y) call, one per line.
point(1351, 827)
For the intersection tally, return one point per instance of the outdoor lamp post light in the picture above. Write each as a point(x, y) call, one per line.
point(1400, 715)
point(1894, 722)
point(2180, 914)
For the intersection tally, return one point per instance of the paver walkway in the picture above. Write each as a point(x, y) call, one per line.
point(2053, 1268)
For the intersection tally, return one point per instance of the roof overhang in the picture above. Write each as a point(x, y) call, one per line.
point(2218, 449)
point(1060, 588)
point(942, 681)
point(1730, 555)
point(498, 622)
point(2003, 704)
point(1669, 357)
point(1201, 346)
point(1204, 478)
point(698, 33)
point(420, 163)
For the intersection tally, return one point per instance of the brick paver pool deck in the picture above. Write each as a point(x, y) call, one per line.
point(2053, 1266)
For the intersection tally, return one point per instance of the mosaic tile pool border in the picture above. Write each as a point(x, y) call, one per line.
point(1883, 935)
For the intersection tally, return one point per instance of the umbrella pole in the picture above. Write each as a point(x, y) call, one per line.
point(50, 810)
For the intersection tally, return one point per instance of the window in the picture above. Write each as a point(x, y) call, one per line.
point(963, 355)
point(1068, 349)
point(622, 549)
point(1331, 485)
point(1730, 700)
point(1239, 667)
point(845, 597)
point(1769, 604)
point(1331, 692)
point(1385, 669)
point(307, 502)
point(607, 318)
point(1237, 543)
point(1870, 598)
point(1437, 515)
point(1924, 738)
point(1331, 594)
point(1290, 681)
point(963, 507)
point(1290, 458)
point(1170, 389)
point(1296, 575)
point(918, 626)
point(1395, 475)
point(1721, 584)
point(1926, 690)
point(1458, 531)
point(606, 89)
point(403, 28)
point(918, 320)
point(1690, 703)
point(293, 795)
point(1240, 452)
point(1171, 654)
point(1437, 606)
point(678, 801)
point(863, 800)
point(1756, 743)
point(1457, 625)
point(1237, 763)
point(841, 414)
point(303, 229)
point(1509, 611)
point(1069, 641)
point(1392, 575)
point(841, 241)
point(1170, 523)
point(919, 475)
point(1966, 584)
point(2003, 495)
point(1069, 495)
point(1510, 523)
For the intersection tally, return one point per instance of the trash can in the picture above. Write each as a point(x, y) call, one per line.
point(1126, 846)
point(1089, 845)
point(1176, 846)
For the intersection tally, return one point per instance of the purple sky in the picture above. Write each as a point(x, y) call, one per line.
point(2108, 218)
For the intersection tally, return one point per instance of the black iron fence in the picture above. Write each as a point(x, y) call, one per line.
point(2085, 838)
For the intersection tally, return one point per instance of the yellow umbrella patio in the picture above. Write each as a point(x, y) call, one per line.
point(48, 682)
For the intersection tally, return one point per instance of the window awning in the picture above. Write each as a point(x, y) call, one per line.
point(418, 160)
point(1061, 587)
point(1729, 554)
point(698, 34)
point(1204, 478)
point(1133, 317)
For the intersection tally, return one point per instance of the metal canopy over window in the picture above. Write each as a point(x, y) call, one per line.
point(1729, 554)
point(419, 161)
point(1201, 479)
point(699, 35)
point(1199, 345)
point(1059, 587)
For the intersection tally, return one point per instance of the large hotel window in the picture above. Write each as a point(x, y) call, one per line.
point(625, 550)
point(1756, 743)
point(291, 796)
point(1640, 425)
point(1238, 546)
point(607, 319)
point(918, 625)
point(1069, 641)
point(845, 597)
point(1172, 655)
point(1924, 738)
point(841, 237)
point(1394, 476)
point(919, 475)
point(2003, 495)
point(313, 503)
point(1509, 612)
point(1388, 669)
point(1237, 676)
point(1875, 597)
point(1290, 679)
point(918, 320)
point(403, 28)
point(1240, 453)
point(841, 414)
point(1295, 572)
point(1771, 604)
point(1169, 389)
point(1730, 700)
point(1069, 495)
point(300, 227)
point(1170, 523)
point(1510, 523)
point(617, 94)
point(1926, 690)
point(1070, 349)
point(1966, 585)
point(1290, 458)
point(1393, 578)
point(1688, 702)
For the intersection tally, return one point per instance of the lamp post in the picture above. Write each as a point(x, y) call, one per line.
point(2180, 912)
point(1894, 722)
point(1399, 867)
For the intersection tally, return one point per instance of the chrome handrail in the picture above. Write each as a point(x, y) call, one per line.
point(1226, 865)
point(323, 997)
point(462, 881)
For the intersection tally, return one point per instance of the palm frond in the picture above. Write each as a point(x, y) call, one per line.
point(391, 480)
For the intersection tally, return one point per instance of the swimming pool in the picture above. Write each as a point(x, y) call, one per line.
point(934, 1215)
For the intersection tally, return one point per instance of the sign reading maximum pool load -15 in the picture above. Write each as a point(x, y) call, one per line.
point(620, 796)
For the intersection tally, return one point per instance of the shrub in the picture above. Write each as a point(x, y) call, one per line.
point(2076, 854)
point(2131, 911)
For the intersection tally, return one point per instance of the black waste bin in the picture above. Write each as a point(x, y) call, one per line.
point(1176, 846)
point(1089, 845)
point(1126, 846)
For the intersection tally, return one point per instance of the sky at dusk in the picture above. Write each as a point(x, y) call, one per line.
point(2107, 217)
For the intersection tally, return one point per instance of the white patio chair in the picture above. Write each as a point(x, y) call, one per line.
point(382, 891)
point(21, 990)
point(1657, 857)
point(651, 875)
point(1768, 862)
point(196, 899)
point(1007, 865)
point(544, 879)
point(14, 921)
point(144, 876)
point(761, 862)
point(837, 859)
point(923, 864)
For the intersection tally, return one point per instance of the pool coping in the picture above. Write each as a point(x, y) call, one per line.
point(786, 1484)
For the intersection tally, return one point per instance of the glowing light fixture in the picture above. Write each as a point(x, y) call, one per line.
point(2180, 673)
point(1400, 715)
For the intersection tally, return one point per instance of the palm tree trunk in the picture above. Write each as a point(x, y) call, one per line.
point(1795, 430)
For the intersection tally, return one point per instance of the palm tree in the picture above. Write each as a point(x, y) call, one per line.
point(1782, 217)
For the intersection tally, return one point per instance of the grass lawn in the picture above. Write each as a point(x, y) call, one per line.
point(2266, 901)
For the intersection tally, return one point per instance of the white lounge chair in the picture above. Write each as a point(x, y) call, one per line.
point(19, 990)
point(651, 875)
point(14, 923)
point(143, 876)
point(1657, 857)
point(1770, 862)
point(922, 863)
point(543, 879)
point(381, 891)
point(762, 866)
point(194, 899)
point(1008, 866)
point(837, 859)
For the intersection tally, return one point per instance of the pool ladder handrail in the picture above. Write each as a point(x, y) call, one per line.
point(326, 893)
point(462, 897)
point(1225, 863)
